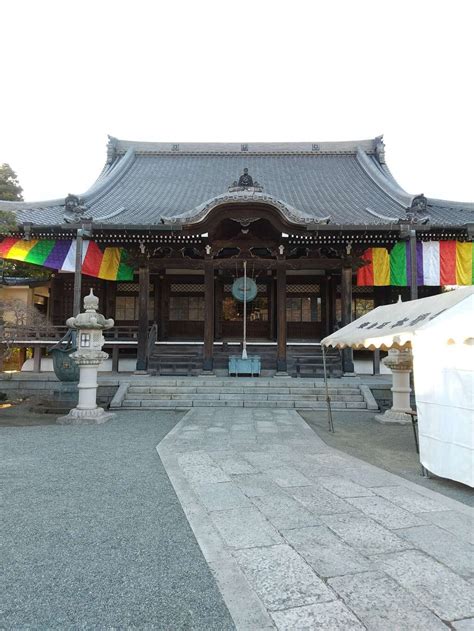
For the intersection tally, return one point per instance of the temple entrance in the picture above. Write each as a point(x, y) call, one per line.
point(229, 313)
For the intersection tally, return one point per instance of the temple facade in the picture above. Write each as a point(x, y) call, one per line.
point(325, 230)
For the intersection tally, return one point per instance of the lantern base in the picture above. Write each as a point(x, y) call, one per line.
point(393, 416)
point(85, 417)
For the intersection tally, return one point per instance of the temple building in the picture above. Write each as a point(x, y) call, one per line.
point(325, 230)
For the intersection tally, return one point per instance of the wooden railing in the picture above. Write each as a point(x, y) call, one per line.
point(24, 335)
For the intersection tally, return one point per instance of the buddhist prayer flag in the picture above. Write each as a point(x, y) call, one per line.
point(438, 263)
point(110, 264)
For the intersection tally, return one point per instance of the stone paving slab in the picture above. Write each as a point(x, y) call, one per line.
point(441, 545)
point(319, 500)
point(343, 487)
point(256, 485)
point(281, 578)
point(383, 605)
point(221, 496)
point(464, 625)
point(458, 523)
point(245, 528)
point(407, 499)
point(284, 512)
point(385, 512)
point(364, 534)
point(311, 537)
point(331, 616)
point(437, 587)
point(325, 552)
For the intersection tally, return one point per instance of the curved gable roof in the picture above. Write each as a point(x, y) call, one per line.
point(343, 183)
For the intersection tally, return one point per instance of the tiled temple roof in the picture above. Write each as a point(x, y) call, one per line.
point(340, 183)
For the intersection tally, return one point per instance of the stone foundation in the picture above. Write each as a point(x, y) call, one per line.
point(46, 387)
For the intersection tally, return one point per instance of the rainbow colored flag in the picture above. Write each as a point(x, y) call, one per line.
point(110, 264)
point(438, 263)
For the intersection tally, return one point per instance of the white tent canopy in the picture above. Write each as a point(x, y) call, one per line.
point(440, 330)
point(396, 325)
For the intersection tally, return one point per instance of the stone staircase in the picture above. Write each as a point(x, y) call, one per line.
point(186, 392)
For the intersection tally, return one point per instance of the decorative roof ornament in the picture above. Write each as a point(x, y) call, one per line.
point(380, 149)
point(111, 149)
point(245, 222)
point(74, 209)
point(419, 205)
point(245, 183)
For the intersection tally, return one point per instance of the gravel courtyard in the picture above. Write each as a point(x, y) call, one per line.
point(94, 536)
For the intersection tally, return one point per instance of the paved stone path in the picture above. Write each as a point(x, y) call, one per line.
point(302, 536)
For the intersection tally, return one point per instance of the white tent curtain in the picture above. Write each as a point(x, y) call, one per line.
point(440, 330)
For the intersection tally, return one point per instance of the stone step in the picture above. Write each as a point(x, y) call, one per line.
point(247, 396)
point(246, 382)
point(182, 404)
point(226, 389)
point(184, 393)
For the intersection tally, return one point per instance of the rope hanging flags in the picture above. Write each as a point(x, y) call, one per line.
point(438, 263)
point(110, 264)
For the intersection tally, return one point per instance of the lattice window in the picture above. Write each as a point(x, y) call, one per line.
point(126, 287)
point(126, 308)
point(261, 288)
point(305, 309)
point(361, 306)
point(186, 288)
point(187, 308)
point(306, 288)
point(130, 288)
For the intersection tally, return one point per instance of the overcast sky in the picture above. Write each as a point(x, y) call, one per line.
point(264, 70)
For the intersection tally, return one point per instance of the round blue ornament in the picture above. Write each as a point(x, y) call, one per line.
point(238, 289)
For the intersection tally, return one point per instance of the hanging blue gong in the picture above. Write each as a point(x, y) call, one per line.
point(238, 289)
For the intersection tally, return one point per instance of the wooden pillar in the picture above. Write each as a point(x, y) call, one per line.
point(324, 293)
point(143, 300)
point(331, 303)
point(110, 294)
point(156, 301)
point(209, 310)
point(271, 307)
point(281, 316)
point(219, 297)
point(37, 359)
point(164, 307)
point(346, 313)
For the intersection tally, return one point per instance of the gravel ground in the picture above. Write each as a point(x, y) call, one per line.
point(390, 447)
point(94, 535)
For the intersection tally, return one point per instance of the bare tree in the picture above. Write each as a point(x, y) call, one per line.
point(19, 322)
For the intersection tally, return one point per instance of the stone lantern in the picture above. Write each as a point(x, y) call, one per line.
point(89, 355)
point(400, 363)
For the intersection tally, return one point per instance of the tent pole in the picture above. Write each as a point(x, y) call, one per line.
point(328, 398)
